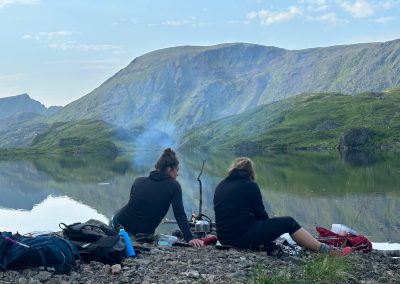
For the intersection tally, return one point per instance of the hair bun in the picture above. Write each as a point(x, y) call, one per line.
point(168, 159)
point(168, 152)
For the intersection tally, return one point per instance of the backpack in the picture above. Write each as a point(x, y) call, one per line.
point(355, 241)
point(19, 252)
point(98, 243)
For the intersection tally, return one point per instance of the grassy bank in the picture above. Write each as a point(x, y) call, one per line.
point(316, 269)
point(307, 121)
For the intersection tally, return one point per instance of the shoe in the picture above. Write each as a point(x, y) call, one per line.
point(341, 252)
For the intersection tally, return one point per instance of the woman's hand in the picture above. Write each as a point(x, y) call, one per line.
point(196, 243)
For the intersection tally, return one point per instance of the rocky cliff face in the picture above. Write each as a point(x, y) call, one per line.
point(177, 88)
point(17, 104)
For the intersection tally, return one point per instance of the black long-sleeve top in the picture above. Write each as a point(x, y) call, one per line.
point(238, 205)
point(149, 202)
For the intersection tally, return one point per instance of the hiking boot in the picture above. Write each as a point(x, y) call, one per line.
point(341, 251)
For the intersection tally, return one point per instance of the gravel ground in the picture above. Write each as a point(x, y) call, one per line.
point(206, 265)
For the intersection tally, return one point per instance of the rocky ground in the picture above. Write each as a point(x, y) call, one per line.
point(209, 265)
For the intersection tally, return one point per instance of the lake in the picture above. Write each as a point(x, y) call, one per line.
point(360, 190)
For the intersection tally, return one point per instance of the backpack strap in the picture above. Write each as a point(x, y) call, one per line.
point(81, 226)
point(39, 251)
point(106, 231)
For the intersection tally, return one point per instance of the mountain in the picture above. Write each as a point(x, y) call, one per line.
point(14, 105)
point(16, 116)
point(306, 121)
point(177, 88)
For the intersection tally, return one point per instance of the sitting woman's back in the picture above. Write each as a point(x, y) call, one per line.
point(237, 205)
point(150, 199)
point(240, 216)
point(149, 202)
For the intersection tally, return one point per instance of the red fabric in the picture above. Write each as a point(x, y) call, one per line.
point(209, 239)
point(342, 252)
point(357, 242)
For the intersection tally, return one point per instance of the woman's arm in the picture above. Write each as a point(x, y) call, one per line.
point(180, 215)
point(256, 204)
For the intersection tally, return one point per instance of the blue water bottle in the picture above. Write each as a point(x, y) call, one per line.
point(128, 245)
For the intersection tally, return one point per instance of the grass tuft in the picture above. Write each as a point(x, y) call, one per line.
point(319, 268)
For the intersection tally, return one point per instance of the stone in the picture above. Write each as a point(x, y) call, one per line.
point(125, 280)
point(355, 138)
point(22, 280)
point(193, 274)
point(208, 278)
point(107, 268)
point(44, 276)
point(235, 274)
point(116, 268)
point(144, 262)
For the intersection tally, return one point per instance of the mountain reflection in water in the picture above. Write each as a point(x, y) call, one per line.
point(318, 189)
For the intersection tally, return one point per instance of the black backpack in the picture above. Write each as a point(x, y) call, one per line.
point(98, 243)
point(19, 252)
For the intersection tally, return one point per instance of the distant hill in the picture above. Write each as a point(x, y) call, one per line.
point(16, 116)
point(177, 88)
point(78, 137)
point(307, 121)
point(10, 106)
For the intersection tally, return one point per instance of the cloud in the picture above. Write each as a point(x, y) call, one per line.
point(190, 20)
point(50, 35)
point(315, 5)
point(66, 45)
point(235, 22)
point(385, 5)
point(61, 40)
point(98, 47)
point(175, 23)
point(358, 8)
point(271, 17)
point(107, 63)
point(124, 21)
point(330, 17)
point(4, 3)
point(383, 20)
point(10, 77)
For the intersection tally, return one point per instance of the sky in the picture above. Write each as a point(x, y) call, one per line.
point(59, 50)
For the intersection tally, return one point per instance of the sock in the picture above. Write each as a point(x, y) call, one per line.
point(324, 248)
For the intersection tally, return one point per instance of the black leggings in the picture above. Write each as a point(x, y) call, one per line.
point(265, 231)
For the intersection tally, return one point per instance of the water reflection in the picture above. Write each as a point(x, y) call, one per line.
point(63, 209)
point(315, 188)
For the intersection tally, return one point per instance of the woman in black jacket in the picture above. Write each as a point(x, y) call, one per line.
point(150, 199)
point(241, 219)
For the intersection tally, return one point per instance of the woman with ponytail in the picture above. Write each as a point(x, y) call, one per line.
point(240, 216)
point(150, 199)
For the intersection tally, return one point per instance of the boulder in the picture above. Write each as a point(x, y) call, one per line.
point(354, 138)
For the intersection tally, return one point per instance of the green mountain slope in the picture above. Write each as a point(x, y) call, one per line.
point(306, 121)
point(177, 88)
point(77, 137)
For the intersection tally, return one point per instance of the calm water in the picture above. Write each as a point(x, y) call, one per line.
point(360, 190)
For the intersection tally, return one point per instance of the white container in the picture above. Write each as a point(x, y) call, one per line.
point(342, 230)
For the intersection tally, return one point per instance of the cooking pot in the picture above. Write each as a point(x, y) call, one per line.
point(202, 226)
